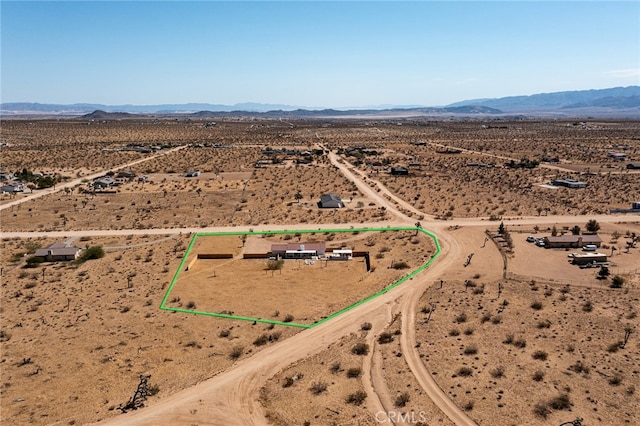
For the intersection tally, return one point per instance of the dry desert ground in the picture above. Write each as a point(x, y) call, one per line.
point(493, 330)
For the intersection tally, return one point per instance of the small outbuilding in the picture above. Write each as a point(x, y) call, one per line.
point(583, 259)
point(330, 201)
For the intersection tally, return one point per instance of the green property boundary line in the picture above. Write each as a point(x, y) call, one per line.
point(305, 231)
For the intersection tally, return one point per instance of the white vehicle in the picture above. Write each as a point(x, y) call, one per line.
point(540, 243)
point(590, 247)
point(531, 239)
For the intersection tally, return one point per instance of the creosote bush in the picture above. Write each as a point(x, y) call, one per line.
point(360, 349)
point(356, 398)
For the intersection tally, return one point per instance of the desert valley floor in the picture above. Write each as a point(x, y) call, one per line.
point(320, 272)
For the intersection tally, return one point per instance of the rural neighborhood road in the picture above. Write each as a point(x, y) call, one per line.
point(79, 181)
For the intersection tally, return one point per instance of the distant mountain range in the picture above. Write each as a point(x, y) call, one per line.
point(621, 102)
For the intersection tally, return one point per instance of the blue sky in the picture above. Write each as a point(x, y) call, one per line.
point(313, 54)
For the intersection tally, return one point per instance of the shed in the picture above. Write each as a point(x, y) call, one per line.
point(583, 259)
point(330, 201)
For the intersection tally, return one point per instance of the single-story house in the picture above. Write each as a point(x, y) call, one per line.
point(103, 182)
point(633, 166)
point(569, 183)
point(400, 171)
point(298, 250)
point(58, 251)
point(330, 201)
point(572, 241)
point(193, 173)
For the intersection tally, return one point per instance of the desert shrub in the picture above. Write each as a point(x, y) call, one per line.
point(335, 367)
point(356, 398)
point(400, 265)
point(537, 305)
point(454, 332)
point(538, 376)
point(366, 326)
point(615, 380)
point(354, 373)
point(191, 305)
point(470, 350)
point(541, 409)
point(587, 306)
point(464, 372)
point(560, 402)
point(520, 343)
point(540, 355)
point(317, 388)
point(288, 382)
point(617, 282)
point(468, 331)
point(288, 318)
point(385, 337)
point(497, 372)
point(261, 340)
point(236, 352)
point(468, 406)
point(496, 320)
point(402, 400)
point(33, 262)
point(224, 333)
point(360, 349)
point(544, 324)
point(485, 318)
point(579, 367)
point(461, 318)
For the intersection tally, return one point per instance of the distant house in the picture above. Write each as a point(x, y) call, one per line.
point(193, 173)
point(617, 155)
point(633, 166)
point(330, 201)
point(126, 174)
point(57, 252)
point(103, 182)
point(569, 183)
point(571, 241)
point(298, 250)
point(399, 171)
point(11, 188)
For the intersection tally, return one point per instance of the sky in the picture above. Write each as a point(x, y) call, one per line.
point(312, 54)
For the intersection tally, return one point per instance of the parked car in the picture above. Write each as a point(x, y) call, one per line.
point(590, 247)
point(531, 239)
point(540, 243)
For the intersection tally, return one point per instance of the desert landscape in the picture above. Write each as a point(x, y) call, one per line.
point(497, 326)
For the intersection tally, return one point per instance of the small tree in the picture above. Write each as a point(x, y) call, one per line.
point(275, 265)
point(603, 273)
point(592, 226)
point(94, 252)
point(575, 230)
